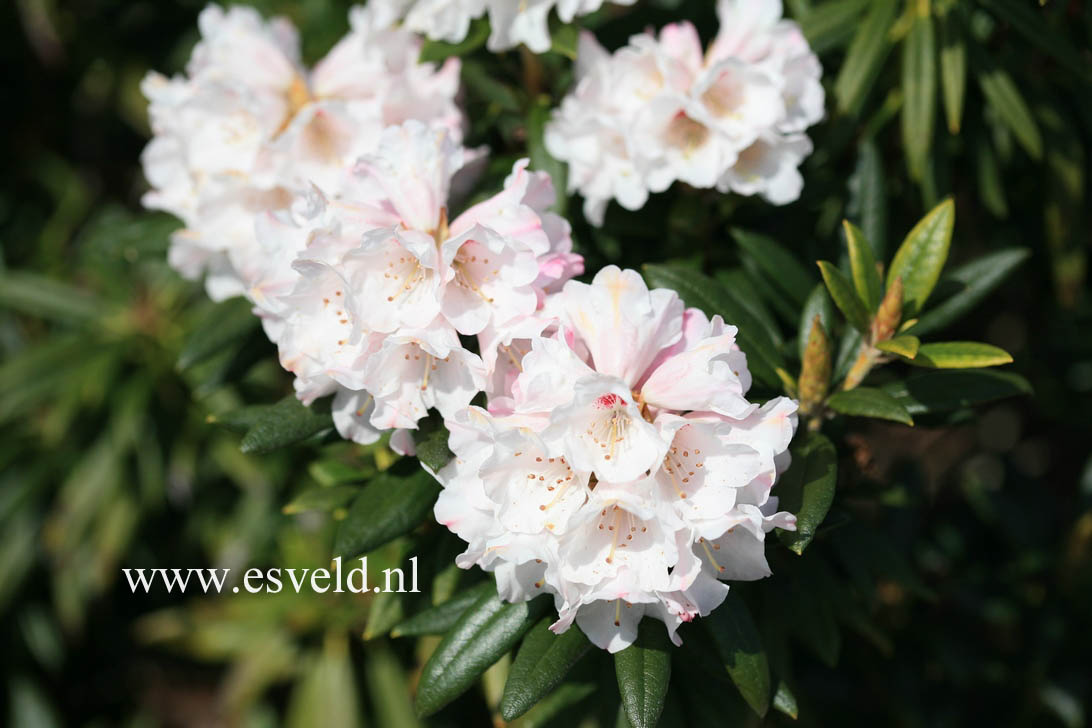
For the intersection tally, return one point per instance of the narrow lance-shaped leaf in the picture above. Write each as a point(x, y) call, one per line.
point(487, 630)
point(818, 304)
point(865, 56)
point(977, 278)
point(953, 69)
point(921, 257)
point(960, 355)
point(225, 324)
point(862, 262)
point(540, 665)
point(285, 423)
point(919, 85)
point(781, 266)
point(391, 505)
point(831, 24)
point(644, 672)
point(736, 640)
point(1004, 97)
point(905, 346)
point(845, 296)
point(868, 402)
point(868, 196)
point(944, 391)
point(441, 618)
point(807, 489)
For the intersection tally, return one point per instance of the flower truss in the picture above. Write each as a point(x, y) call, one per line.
point(512, 21)
point(374, 288)
point(248, 126)
point(624, 472)
point(661, 110)
point(618, 464)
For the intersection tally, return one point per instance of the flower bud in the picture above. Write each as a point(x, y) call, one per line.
point(816, 369)
point(889, 314)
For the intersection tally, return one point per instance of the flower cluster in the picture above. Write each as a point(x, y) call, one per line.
point(511, 22)
point(623, 470)
point(661, 110)
point(371, 290)
point(247, 127)
point(618, 464)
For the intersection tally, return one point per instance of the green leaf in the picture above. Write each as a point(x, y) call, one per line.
point(242, 419)
point(784, 701)
point(387, 688)
point(865, 56)
point(831, 24)
point(44, 297)
point(565, 41)
point(434, 50)
point(541, 159)
point(226, 324)
point(845, 297)
point(868, 402)
point(321, 499)
point(540, 665)
point(807, 489)
point(782, 267)
point(991, 188)
point(557, 703)
point(953, 69)
point(944, 391)
point(483, 83)
point(905, 346)
point(442, 617)
point(487, 630)
point(818, 304)
point(391, 505)
point(919, 87)
point(326, 694)
point(960, 355)
point(702, 292)
point(977, 279)
point(285, 423)
point(866, 276)
point(868, 196)
point(736, 640)
point(1004, 98)
point(388, 608)
point(430, 443)
point(644, 671)
point(921, 257)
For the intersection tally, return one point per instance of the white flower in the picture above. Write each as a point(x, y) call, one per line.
point(627, 475)
point(661, 110)
point(512, 22)
point(366, 293)
point(247, 128)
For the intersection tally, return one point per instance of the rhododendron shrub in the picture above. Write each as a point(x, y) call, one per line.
point(621, 454)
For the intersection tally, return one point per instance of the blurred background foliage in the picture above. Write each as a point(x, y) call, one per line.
point(951, 584)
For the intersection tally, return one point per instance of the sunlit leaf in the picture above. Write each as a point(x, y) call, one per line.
point(485, 632)
point(868, 402)
point(921, 257)
point(960, 355)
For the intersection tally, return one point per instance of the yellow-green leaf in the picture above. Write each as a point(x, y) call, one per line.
point(960, 355)
point(921, 257)
point(953, 69)
point(904, 346)
point(862, 262)
point(845, 297)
